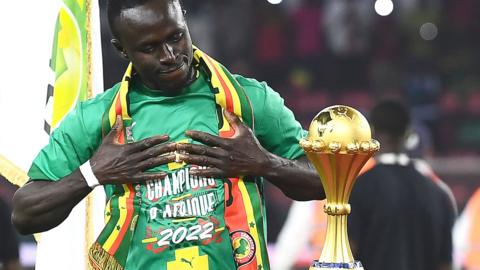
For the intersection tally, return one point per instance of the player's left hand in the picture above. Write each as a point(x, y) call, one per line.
point(239, 155)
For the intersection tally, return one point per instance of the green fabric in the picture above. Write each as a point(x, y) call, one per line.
point(80, 134)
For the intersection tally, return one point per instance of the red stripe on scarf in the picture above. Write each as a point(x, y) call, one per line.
point(235, 213)
point(127, 222)
point(118, 111)
point(228, 94)
point(236, 217)
point(228, 98)
point(227, 134)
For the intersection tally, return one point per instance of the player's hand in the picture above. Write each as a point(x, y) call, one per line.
point(116, 163)
point(239, 155)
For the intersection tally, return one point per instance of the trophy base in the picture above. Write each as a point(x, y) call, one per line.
point(316, 265)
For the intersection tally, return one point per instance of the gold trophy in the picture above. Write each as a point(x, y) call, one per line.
point(339, 143)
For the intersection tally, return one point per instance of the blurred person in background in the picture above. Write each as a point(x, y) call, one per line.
point(9, 259)
point(400, 218)
point(466, 235)
point(303, 234)
point(182, 171)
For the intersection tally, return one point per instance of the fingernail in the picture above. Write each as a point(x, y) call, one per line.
point(118, 119)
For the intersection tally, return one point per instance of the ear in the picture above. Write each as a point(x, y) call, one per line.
point(116, 43)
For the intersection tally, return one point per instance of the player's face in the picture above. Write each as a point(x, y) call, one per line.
point(155, 38)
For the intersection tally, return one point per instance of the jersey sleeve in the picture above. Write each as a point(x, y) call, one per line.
point(275, 125)
point(71, 144)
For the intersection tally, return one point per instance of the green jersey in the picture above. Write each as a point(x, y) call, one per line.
point(181, 224)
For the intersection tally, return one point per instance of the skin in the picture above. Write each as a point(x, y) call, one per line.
point(155, 38)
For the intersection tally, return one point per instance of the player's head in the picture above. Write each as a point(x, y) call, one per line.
point(390, 118)
point(154, 36)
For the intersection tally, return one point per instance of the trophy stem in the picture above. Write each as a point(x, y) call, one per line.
point(338, 173)
point(336, 248)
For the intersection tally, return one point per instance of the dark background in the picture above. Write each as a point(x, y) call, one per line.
point(319, 53)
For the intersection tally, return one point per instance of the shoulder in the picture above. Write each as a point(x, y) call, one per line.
point(275, 125)
point(91, 110)
point(87, 114)
point(263, 98)
point(101, 100)
point(371, 173)
point(249, 82)
point(372, 180)
point(255, 88)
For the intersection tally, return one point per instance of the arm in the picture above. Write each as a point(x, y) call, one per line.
point(42, 205)
point(286, 175)
point(243, 155)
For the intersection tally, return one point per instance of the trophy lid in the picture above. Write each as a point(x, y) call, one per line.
point(339, 129)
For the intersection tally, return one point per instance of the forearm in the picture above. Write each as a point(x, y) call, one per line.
point(41, 205)
point(296, 178)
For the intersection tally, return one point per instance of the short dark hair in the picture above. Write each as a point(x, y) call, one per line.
point(390, 117)
point(115, 7)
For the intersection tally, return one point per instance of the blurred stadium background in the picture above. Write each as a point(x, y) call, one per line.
point(317, 53)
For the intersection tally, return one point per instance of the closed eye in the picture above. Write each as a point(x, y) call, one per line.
point(147, 49)
point(176, 37)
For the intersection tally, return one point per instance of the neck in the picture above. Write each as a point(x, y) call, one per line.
point(389, 144)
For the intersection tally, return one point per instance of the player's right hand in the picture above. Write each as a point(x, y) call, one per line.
point(116, 163)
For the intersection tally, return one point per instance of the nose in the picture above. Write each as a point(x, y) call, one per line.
point(167, 55)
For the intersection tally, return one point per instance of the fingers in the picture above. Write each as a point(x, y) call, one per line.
point(232, 118)
point(158, 150)
point(205, 138)
point(200, 160)
point(148, 143)
point(208, 172)
point(145, 176)
point(156, 161)
point(116, 131)
point(152, 152)
point(201, 150)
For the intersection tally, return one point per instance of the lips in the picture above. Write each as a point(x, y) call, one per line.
point(168, 71)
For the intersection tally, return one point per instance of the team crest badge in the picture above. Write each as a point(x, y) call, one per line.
point(243, 247)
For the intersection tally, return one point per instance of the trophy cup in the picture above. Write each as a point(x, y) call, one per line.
point(338, 144)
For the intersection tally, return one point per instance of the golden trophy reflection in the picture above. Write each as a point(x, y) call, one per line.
point(338, 144)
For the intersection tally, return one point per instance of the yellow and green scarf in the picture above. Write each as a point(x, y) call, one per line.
point(244, 207)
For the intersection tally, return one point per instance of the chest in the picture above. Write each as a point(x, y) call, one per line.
point(174, 116)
